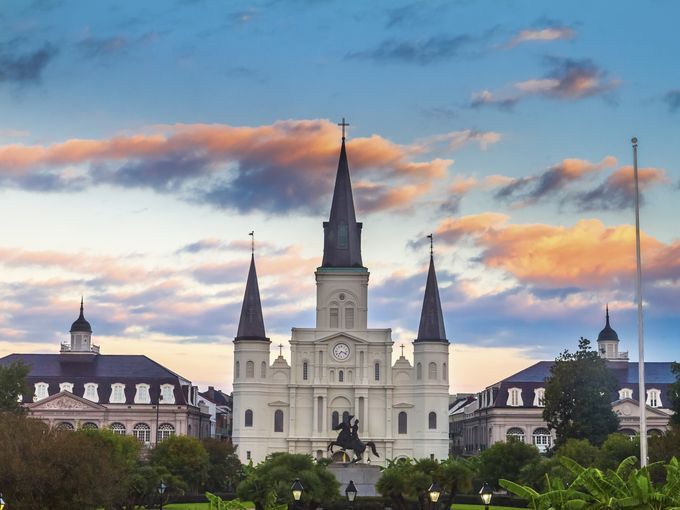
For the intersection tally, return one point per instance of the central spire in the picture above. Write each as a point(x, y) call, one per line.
point(342, 232)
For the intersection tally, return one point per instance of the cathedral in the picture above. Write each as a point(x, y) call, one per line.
point(341, 368)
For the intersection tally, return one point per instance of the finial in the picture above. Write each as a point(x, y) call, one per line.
point(634, 141)
point(252, 242)
point(431, 238)
point(402, 350)
point(81, 305)
point(343, 124)
point(280, 350)
point(607, 313)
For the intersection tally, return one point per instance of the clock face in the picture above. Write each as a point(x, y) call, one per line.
point(341, 351)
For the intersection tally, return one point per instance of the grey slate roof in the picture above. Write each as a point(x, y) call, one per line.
point(251, 324)
point(103, 369)
point(431, 327)
point(342, 232)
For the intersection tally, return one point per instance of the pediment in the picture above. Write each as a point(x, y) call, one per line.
point(341, 336)
point(629, 407)
point(403, 405)
point(65, 400)
point(278, 403)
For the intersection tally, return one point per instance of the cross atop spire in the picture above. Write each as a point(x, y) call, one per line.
point(402, 350)
point(280, 349)
point(344, 125)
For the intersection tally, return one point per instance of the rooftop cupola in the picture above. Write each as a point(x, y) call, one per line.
point(81, 338)
point(342, 232)
point(81, 325)
point(608, 342)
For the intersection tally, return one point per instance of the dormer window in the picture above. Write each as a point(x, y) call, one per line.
point(142, 396)
point(66, 386)
point(117, 393)
point(41, 391)
point(90, 392)
point(167, 394)
point(515, 397)
point(625, 393)
point(653, 398)
point(539, 397)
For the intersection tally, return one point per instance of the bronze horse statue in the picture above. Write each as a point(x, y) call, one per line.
point(348, 439)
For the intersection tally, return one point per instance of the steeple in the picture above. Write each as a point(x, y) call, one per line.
point(251, 324)
point(607, 333)
point(431, 319)
point(81, 324)
point(342, 232)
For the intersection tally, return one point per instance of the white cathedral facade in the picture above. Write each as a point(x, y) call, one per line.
point(341, 367)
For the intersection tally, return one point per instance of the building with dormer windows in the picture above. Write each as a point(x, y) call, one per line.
point(341, 367)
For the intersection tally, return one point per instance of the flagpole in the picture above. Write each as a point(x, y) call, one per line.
point(642, 396)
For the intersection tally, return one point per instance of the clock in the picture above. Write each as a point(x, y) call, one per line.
point(341, 351)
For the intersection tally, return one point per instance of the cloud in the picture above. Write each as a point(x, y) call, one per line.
point(201, 245)
point(422, 51)
point(672, 99)
point(95, 47)
point(454, 140)
point(277, 168)
point(566, 79)
point(588, 254)
point(24, 68)
point(618, 190)
point(542, 34)
point(528, 190)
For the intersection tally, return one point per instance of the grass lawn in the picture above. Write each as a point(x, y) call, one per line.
point(204, 506)
point(478, 507)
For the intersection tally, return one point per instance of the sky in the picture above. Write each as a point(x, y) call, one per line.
point(140, 143)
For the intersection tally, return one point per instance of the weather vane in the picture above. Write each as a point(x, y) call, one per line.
point(431, 238)
point(344, 125)
point(252, 242)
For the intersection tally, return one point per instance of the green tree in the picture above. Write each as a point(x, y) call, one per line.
point(674, 392)
point(405, 482)
point(12, 386)
point(666, 446)
point(506, 460)
point(615, 449)
point(268, 483)
point(184, 457)
point(578, 396)
point(224, 468)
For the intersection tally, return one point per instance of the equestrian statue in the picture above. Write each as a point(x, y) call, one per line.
point(348, 439)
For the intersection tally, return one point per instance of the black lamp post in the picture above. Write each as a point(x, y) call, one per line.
point(297, 490)
point(434, 492)
point(485, 493)
point(161, 491)
point(351, 492)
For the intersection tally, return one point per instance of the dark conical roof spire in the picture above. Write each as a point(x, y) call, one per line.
point(431, 319)
point(607, 332)
point(342, 232)
point(251, 324)
point(81, 324)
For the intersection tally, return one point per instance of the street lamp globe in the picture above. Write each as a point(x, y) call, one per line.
point(297, 489)
point(434, 492)
point(162, 487)
point(351, 491)
point(485, 493)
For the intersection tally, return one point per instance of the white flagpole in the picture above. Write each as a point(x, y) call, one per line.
point(642, 397)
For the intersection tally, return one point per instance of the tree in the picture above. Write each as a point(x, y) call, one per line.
point(12, 386)
point(506, 460)
point(578, 396)
point(268, 484)
point(615, 449)
point(674, 392)
point(184, 457)
point(224, 466)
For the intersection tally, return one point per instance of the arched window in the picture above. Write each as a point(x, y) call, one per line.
point(432, 420)
point(249, 418)
point(349, 316)
point(167, 394)
point(335, 419)
point(142, 396)
point(65, 425)
point(117, 393)
point(345, 416)
point(142, 432)
point(278, 420)
point(541, 439)
point(628, 432)
point(432, 371)
point(403, 422)
point(305, 371)
point(90, 392)
point(66, 386)
point(419, 371)
point(334, 318)
point(263, 370)
point(250, 369)
point(165, 430)
point(515, 433)
point(238, 370)
point(376, 370)
point(41, 391)
point(117, 428)
point(445, 373)
point(341, 376)
point(89, 426)
point(539, 397)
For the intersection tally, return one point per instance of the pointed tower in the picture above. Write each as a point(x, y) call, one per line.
point(431, 327)
point(608, 342)
point(251, 323)
point(342, 280)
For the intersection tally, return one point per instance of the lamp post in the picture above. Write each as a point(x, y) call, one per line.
point(161, 491)
point(434, 492)
point(297, 490)
point(485, 493)
point(351, 492)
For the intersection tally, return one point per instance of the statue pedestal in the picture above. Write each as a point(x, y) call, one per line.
point(364, 476)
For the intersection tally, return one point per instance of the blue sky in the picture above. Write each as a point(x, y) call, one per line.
point(139, 144)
